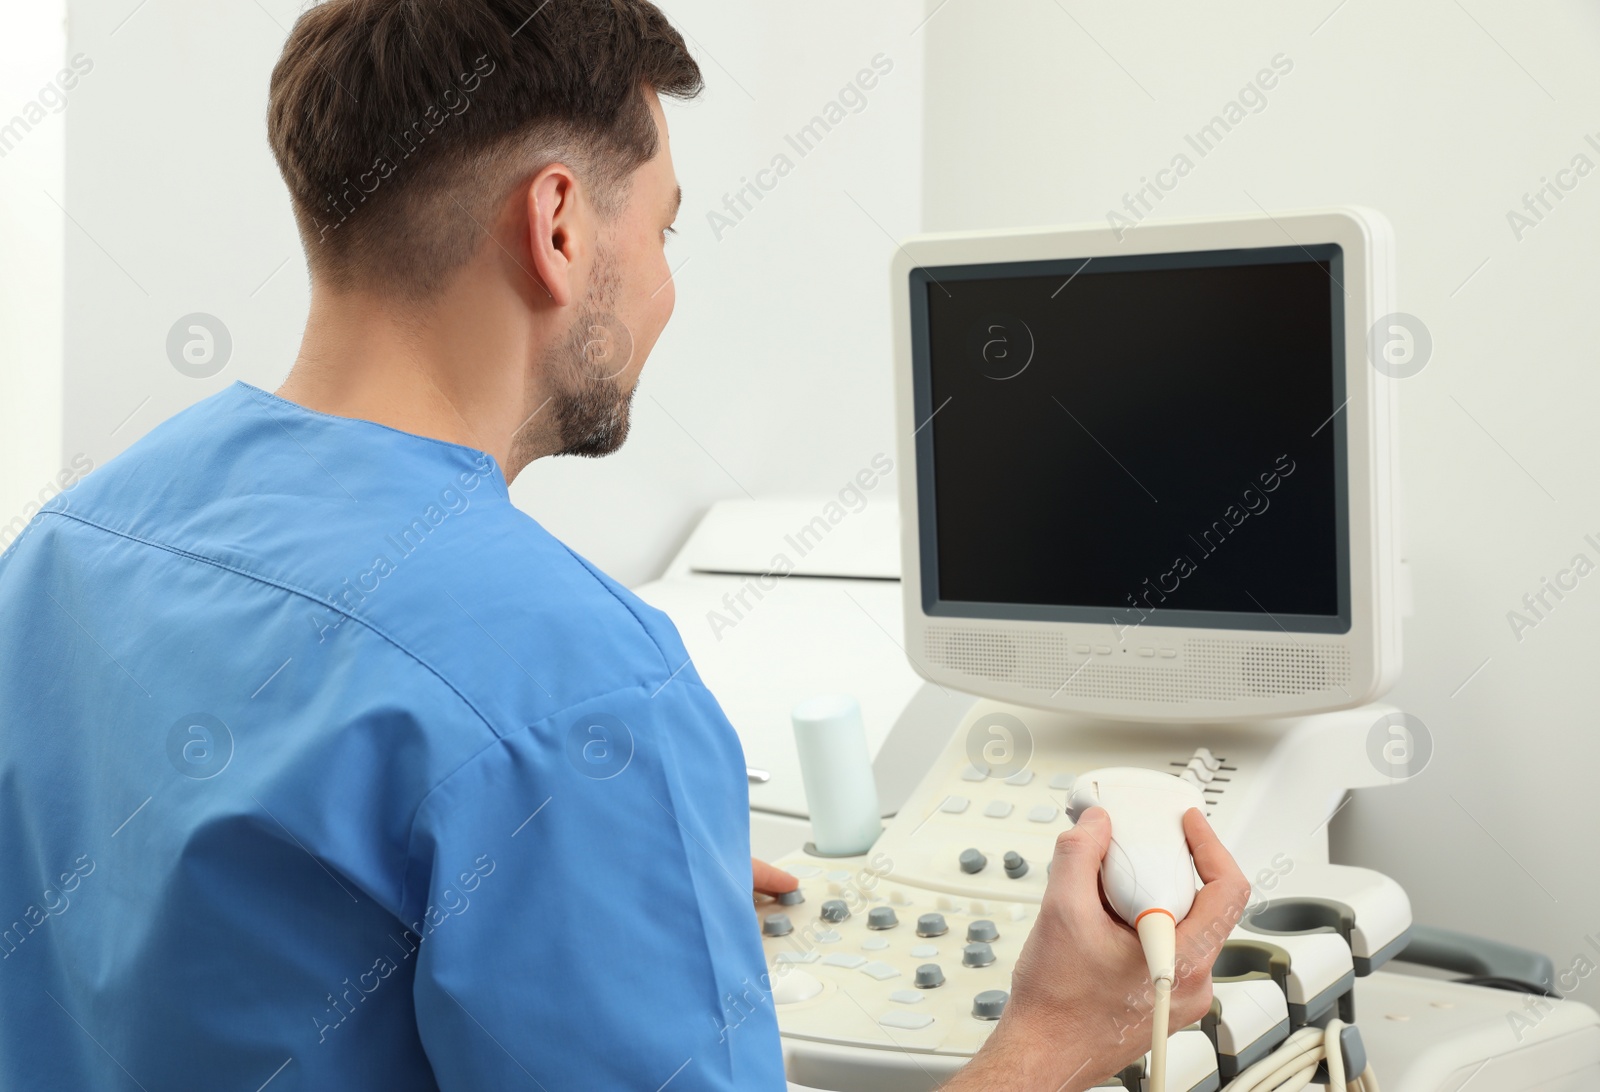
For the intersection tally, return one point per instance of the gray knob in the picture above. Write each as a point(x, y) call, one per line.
point(989, 1004)
point(972, 860)
point(835, 910)
point(777, 925)
point(882, 917)
point(982, 931)
point(795, 898)
point(932, 925)
point(977, 955)
point(928, 976)
point(1016, 867)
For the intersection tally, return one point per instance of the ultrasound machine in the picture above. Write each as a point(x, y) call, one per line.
point(1148, 520)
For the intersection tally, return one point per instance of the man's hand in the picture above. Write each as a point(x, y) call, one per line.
point(1080, 993)
point(769, 880)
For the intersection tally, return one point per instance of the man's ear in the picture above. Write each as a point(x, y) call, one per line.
point(555, 223)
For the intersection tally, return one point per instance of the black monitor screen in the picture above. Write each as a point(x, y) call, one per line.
point(1146, 439)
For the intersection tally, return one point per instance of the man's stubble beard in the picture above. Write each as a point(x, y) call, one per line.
point(588, 406)
point(591, 408)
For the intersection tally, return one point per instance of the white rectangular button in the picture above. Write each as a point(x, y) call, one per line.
point(908, 1021)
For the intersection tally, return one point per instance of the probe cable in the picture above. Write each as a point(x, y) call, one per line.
point(1294, 1064)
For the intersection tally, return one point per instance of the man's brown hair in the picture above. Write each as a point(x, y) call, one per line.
point(401, 126)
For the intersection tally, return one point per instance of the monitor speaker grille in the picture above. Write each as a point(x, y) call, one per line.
point(1205, 668)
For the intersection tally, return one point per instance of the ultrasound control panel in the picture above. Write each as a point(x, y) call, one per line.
point(910, 947)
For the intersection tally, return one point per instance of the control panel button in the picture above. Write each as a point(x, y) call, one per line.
point(929, 976)
point(905, 1021)
point(835, 910)
point(974, 773)
point(1016, 867)
point(791, 898)
point(906, 997)
point(998, 809)
point(874, 944)
point(954, 805)
point(1062, 781)
point(1021, 777)
point(794, 987)
point(924, 951)
point(1043, 813)
point(848, 960)
point(828, 936)
point(982, 930)
point(932, 925)
point(882, 917)
point(973, 860)
point(977, 955)
point(880, 970)
point(777, 925)
point(989, 1004)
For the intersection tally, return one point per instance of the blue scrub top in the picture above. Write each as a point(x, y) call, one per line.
point(324, 767)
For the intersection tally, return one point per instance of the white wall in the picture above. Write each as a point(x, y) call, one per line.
point(33, 120)
point(177, 209)
point(772, 377)
point(1443, 115)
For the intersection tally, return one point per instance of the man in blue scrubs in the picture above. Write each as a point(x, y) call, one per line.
point(324, 767)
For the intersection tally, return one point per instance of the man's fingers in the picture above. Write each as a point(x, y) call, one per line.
point(1220, 903)
point(1211, 858)
point(1079, 852)
point(769, 880)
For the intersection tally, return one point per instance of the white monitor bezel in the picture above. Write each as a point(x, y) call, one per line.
point(1372, 642)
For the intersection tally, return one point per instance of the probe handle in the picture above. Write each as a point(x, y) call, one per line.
point(1148, 866)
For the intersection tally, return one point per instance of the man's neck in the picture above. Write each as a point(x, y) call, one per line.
point(453, 370)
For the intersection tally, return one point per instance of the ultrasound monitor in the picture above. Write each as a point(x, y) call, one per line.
point(1149, 477)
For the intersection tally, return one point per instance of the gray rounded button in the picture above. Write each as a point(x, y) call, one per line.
point(791, 898)
point(932, 925)
point(928, 976)
point(1016, 867)
point(972, 860)
point(977, 955)
point(835, 910)
point(989, 1004)
point(882, 917)
point(777, 925)
point(982, 931)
